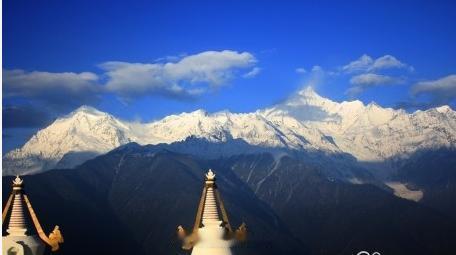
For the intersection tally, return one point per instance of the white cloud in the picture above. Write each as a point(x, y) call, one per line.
point(252, 73)
point(364, 81)
point(54, 88)
point(373, 79)
point(174, 76)
point(191, 75)
point(28, 83)
point(170, 58)
point(300, 70)
point(317, 68)
point(367, 72)
point(361, 64)
point(441, 91)
point(387, 62)
point(367, 64)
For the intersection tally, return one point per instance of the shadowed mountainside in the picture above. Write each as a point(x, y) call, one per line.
point(130, 201)
point(434, 172)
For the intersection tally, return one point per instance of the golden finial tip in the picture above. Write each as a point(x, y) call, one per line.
point(210, 175)
point(18, 180)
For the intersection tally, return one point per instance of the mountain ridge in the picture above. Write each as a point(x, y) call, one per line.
point(306, 122)
point(289, 206)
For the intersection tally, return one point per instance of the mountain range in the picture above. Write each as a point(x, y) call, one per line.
point(372, 136)
point(308, 176)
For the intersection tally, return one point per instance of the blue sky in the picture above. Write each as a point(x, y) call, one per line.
point(144, 60)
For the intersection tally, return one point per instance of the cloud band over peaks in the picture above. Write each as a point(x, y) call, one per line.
point(184, 76)
point(191, 75)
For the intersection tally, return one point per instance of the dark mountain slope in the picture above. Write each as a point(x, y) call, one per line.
point(76, 201)
point(334, 217)
point(434, 172)
point(130, 201)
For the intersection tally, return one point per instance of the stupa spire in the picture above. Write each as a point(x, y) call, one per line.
point(210, 211)
point(17, 225)
point(211, 234)
point(18, 240)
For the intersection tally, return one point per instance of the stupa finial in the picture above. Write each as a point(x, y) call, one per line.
point(210, 176)
point(18, 181)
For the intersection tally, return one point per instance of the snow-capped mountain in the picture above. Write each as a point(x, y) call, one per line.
point(80, 135)
point(87, 132)
point(306, 122)
point(369, 132)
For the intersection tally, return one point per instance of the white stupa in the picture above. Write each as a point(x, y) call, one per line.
point(19, 241)
point(211, 234)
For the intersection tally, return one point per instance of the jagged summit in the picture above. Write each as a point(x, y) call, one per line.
point(309, 92)
point(306, 121)
point(308, 96)
point(198, 112)
point(371, 132)
point(444, 109)
point(85, 110)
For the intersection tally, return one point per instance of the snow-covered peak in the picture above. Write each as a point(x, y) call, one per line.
point(85, 109)
point(308, 96)
point(83, 133)
point(306, 121)
point(87, 131)
point(254, 128)
point(310, 93)
point(370, 132)
point(444, 109)
point(311, 108)
point(196, 113)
